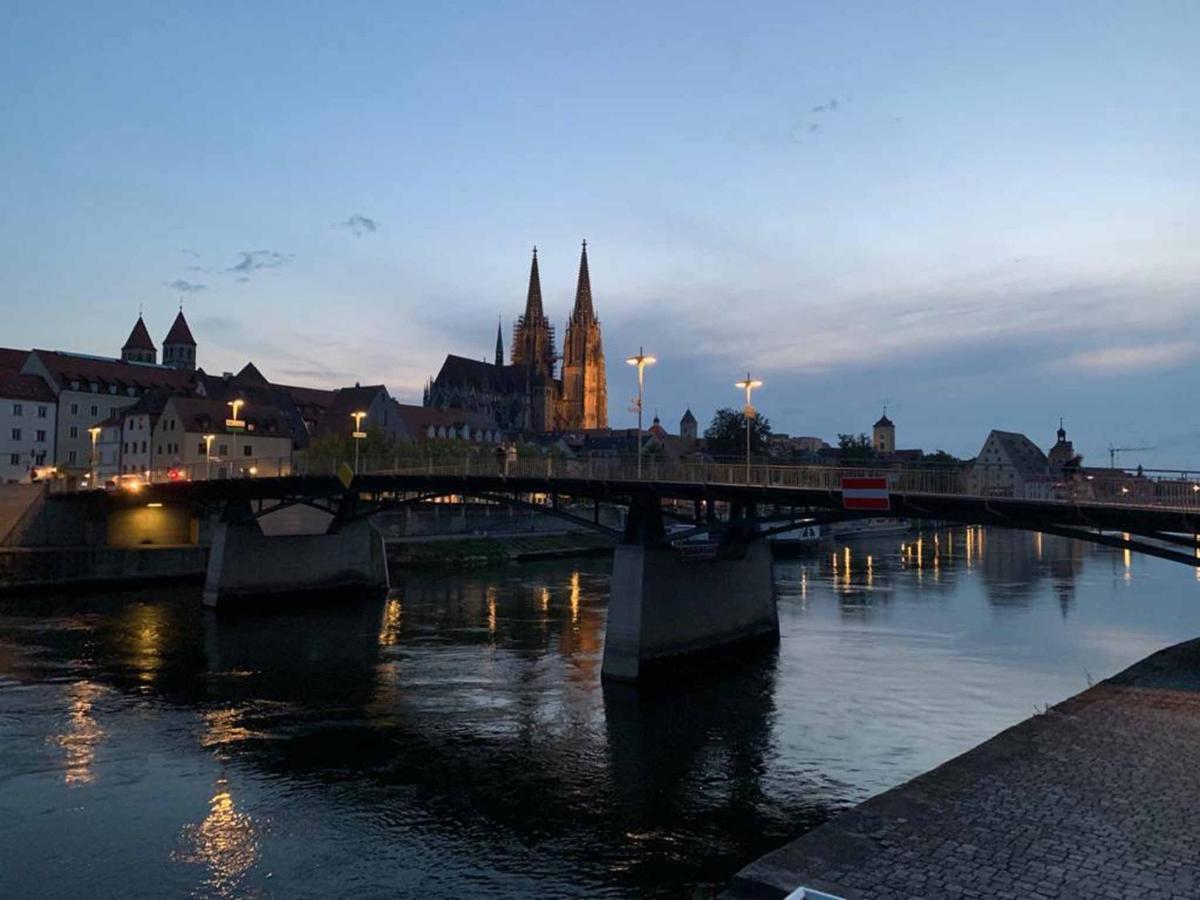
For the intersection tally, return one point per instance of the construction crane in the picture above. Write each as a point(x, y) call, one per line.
point(1113, 451)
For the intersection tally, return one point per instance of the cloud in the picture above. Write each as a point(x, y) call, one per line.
point(185, 287)
point(358, 225)
point(817, 109)
point(1137, 358)
point(254, 260)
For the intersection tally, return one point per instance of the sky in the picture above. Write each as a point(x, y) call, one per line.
point(979, 215)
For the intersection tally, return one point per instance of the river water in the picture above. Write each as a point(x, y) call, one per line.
point(456, 739)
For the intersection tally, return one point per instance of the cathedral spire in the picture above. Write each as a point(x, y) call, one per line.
point(533, 300)
point(583, 290)
point(499, 344)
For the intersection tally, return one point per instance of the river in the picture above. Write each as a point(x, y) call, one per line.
point(456, 739)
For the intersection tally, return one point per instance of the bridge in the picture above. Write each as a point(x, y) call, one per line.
point(663, 606)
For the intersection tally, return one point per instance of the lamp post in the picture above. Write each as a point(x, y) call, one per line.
point(641, 361)
point(208, 439)
point(358, 434)
point(748, 385)
point(235, 425)
point(94, 431)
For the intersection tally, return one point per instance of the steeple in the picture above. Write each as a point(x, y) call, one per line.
point(138, 347)
point(179, 347)
point(533, 299)
point(583, 310)
point(499, 344)
point(584, 384)
point(533, 336)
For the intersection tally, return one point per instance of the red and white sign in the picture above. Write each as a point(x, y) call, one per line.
point(865, 493)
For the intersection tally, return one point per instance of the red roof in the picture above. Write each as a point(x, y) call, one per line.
point(67, 367)
point(12, 360)
point(15, 386)
point(180, 333)
point(139, 338)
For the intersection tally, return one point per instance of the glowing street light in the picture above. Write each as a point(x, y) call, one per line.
point(94, 431)
point(358, 434)
point(641, 361)
point(208, 439)
point(748, 386)
point(235, 425)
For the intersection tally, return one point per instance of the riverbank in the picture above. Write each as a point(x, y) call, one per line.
point(1095, 797)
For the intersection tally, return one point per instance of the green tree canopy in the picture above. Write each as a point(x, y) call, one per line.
point(855, 447)
point(726, 436)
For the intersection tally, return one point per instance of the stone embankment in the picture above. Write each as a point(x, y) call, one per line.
point(1098, 796)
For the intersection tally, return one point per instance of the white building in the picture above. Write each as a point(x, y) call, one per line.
point(1011, 465)
point(92, 389)
point(27, 415)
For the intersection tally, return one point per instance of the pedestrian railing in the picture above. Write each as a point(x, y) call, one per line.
point(1159, 489)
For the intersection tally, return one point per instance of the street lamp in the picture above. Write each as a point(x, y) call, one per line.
point(358, 434)
point(235, 425)
point(641, 361)
point(94, 431)
point(748, 385)
point(208, 439)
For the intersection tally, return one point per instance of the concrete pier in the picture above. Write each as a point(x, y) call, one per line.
point(1097, 797)
point(663, 608)
point(245, 565)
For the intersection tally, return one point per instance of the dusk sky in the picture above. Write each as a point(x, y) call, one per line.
point(983, 215)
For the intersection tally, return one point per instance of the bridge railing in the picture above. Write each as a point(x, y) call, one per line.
point(1173, 489)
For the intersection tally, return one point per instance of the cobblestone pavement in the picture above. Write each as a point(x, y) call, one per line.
point(1097, 797)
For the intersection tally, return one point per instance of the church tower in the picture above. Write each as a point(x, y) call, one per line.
point(179, 347)
point(499, 359)
point(138, 346)
point(533, 335)
point(584, 384)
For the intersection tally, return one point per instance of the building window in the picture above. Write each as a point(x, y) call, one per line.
point(248, 450)
point(202, 449)
point(41, 436)
point(74, 431)
point(160, 449)
point(14, 459)
point(16, 434)
point(71, 456)
point(41, 412)
point(17, 409)
point(74, 409)
point(143, 446)
point(95, 411)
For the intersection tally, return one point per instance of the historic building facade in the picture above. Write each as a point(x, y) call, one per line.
point(527, 394)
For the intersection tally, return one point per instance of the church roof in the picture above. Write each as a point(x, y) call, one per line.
point(139, 338)
point(459, 371)
point(180, 333)
point(687, 415)
point(884, 422)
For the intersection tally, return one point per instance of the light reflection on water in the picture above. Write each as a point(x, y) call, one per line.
point(456, 737)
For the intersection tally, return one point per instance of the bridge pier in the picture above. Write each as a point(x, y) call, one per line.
point(245, 565)
point(664, 609)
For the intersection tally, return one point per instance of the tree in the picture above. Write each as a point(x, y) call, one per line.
point(855, 447)
point(726, 436)
point(941, 458)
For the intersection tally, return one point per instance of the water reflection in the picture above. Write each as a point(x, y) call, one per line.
point(83, 733)
point(226, 842)
point(456, 737)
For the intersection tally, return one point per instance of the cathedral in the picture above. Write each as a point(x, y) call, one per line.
point(526, 394)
